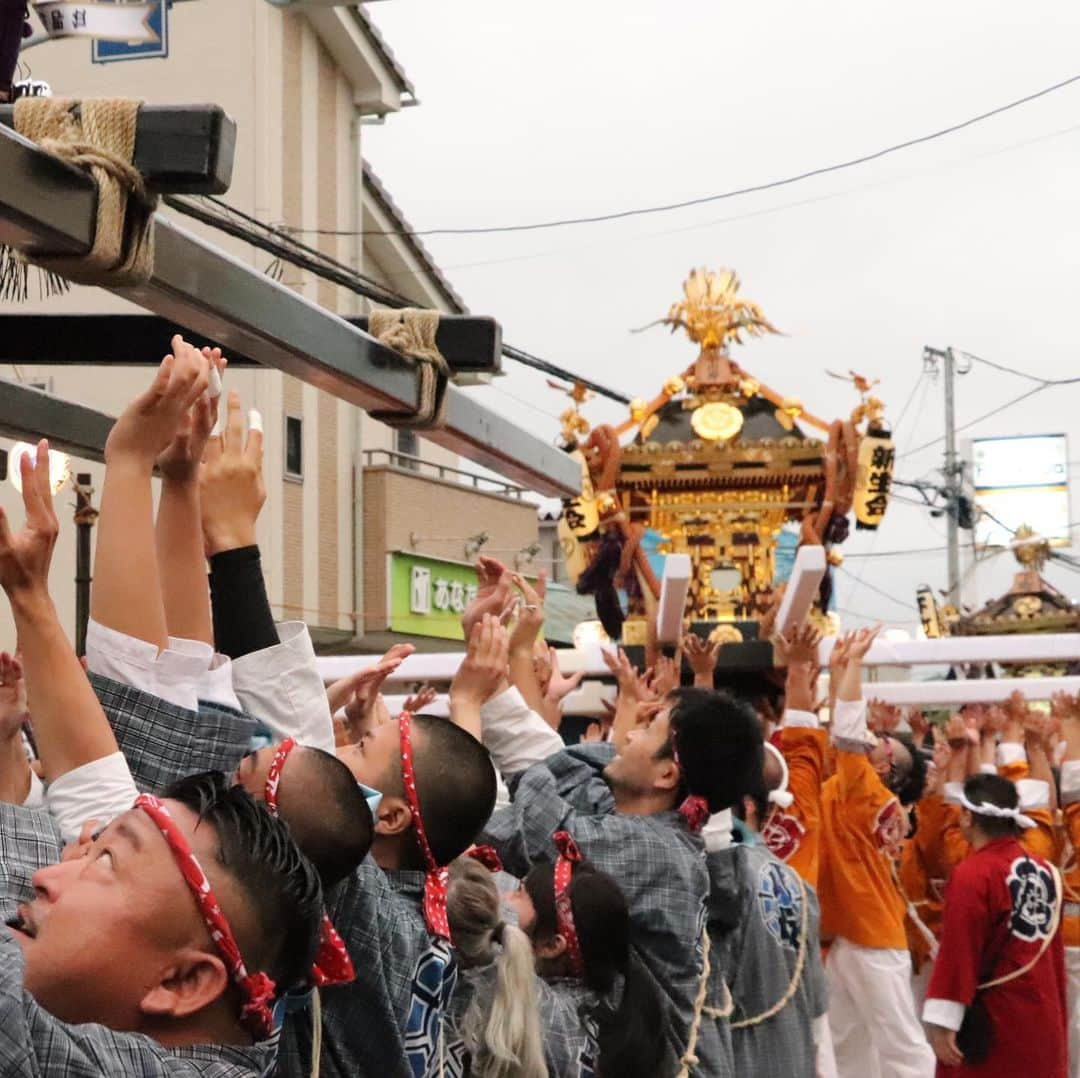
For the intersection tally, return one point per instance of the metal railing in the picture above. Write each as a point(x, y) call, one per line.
point(409, 463)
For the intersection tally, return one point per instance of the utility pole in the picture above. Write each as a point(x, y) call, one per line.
point(953, 471)
point(953, 480)
point(85, 518)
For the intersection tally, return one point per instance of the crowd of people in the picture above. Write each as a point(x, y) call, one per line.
point(213, 864)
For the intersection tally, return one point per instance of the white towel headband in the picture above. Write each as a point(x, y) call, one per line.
point(984, 808)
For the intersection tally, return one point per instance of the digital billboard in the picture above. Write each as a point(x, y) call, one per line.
point(1018, 480)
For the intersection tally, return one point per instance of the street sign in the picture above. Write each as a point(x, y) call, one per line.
point(153, 43)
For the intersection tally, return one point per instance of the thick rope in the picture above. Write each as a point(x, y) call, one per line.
point(316, 1033)
point(690, 1059)
point(411, 333)
point(97, 136)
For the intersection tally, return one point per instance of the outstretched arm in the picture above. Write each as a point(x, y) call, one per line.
point(69, 725)
point(180, 550)
point(127, 596)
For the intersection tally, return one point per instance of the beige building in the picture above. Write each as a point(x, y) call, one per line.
point(301, 81)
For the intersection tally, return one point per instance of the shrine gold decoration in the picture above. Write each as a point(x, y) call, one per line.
point(716, 422)
point(712, 313)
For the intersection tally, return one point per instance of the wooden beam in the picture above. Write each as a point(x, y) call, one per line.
point(470, 344)
point(180, 149)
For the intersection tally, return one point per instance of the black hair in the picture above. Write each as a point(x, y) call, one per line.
point(455, 785)
point(911, 785)
point(994, 790)
point(279, 885)
point(719, 745)
point(630, 1035)
point(327, 814)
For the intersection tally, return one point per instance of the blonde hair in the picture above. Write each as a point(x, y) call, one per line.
point(503, 1032)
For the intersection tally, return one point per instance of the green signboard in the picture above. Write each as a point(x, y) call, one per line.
point(429, 595)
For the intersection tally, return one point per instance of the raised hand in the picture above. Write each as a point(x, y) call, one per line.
point(530, 613)
point(420, 700)
point(25, 556)
point(180, 460)
point(359, 693)
point(494, 595)
point(701, 655)
point(231, 482)
point(920, 725)
point(882, 718)
point(13, 711)
point(802, 645)
point(625, 674)
point(150, 423)
point(559, 686)
point(665, 677)
point(484, 669)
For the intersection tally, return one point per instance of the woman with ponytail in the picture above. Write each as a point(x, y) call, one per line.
point(495, 1007)
point(600, 1011)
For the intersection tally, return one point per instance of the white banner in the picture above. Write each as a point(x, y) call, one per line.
point(105, 22)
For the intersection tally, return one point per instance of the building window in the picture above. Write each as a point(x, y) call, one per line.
point(408, 445)
point(294, 447)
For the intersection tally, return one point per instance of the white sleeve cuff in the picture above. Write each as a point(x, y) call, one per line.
point(717, 831)
point(174, 674)
point(944, 1012)
point(515, 735)
point(100, 790)
point(281, 687)
point(805, 720)
point(849, 721)
point(1034, 794)
point(953, 792)
point(35, 799)
point(1010, 752)
point(1070, 780)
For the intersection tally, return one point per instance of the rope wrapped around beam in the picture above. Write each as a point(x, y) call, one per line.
point(97, 136)
point(410, 332)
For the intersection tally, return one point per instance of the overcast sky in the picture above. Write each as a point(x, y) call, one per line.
point(538, 111)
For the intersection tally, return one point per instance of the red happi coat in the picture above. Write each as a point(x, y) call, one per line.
point(999, 906)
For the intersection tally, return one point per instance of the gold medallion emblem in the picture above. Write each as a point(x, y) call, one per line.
point(716, 422)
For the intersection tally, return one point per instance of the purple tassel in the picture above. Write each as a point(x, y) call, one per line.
point(13, 23)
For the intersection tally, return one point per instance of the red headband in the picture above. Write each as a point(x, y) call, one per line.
point(569, 855)
point(332, 963)
point(436, 877)
point(694, 809)
point(487, 856)
point(256, 989)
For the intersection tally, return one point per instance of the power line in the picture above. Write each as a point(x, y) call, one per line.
point(973, 422)
point(753, 189)
point(1020, 374)
point(700, 226)
point(895, 553)
point(285, 248)
point(875, 588)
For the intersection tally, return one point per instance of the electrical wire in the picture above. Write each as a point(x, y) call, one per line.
point(735, 192)
point(877, 590)
point(285, 248)
point(1019, 374)
point(895, 553)
point(971, 423)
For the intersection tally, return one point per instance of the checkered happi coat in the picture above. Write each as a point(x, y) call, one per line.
point(32, 1042)
point(657, 862)
point(163, 742)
